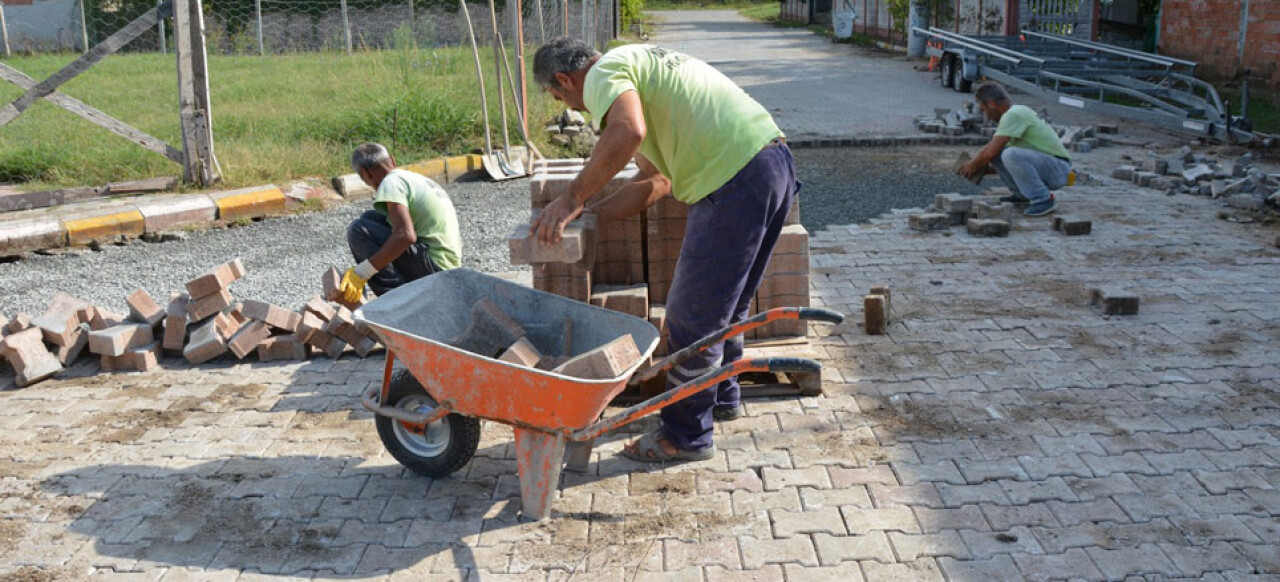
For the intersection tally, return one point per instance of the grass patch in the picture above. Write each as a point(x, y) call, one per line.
point(1263, 111)
point(766, 12)
point(274, 118)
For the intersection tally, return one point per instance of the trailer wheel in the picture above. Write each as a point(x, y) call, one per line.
point(961, 84)
point(435, 450)
point(947, 70)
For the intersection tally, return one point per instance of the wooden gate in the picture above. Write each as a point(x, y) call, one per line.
point(197, 159)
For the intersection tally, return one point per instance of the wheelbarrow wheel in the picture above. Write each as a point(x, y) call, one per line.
point(436, 450)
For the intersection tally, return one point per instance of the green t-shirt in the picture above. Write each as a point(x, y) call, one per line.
point(1025, 129)
point(434, 220)
point(701, 128)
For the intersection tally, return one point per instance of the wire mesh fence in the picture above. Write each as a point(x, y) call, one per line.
point(286, 26)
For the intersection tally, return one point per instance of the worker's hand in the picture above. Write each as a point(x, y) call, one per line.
point(353, 282)
point(971, 169)
point(550, 223)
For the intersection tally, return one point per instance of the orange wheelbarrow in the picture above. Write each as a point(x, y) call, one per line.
point(428, 416)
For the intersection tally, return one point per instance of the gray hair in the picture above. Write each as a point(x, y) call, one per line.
point(562, 55)
point(992, 91)
point(369, 155)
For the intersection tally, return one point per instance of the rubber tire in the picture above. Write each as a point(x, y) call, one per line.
point(463, 431)
point(958, 82)
point(947, 69)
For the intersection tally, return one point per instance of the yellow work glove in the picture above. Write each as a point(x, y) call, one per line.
point(353, 282)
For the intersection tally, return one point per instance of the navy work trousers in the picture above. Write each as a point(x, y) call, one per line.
point(368, 233)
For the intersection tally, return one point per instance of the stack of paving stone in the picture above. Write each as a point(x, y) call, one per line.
point(1238, 183)
point(631, 263)
point(201, 324)
point(983, 216)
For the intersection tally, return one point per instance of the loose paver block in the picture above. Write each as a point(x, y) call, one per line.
point(491, 330)
point(629, 299)
point(272, 315)
point(331, 282)
point(927, 221)
point(227, 324)
point(953, 202)
point(209, 305)
point(328, 343)
point(308, 323)
point(216, 280)
point(526, 249)
point(988, 228)
point(875, 314)
point(175, 322)
point(343, 325)
point(605, 362)
point(321, 308)
point(67, 354)
point(118, 339)
point(1072, 225)
point(247, 338)
point(61, 321)
point(31, 360)
point(103, 319)
point(282, 347)
point(144, 309)
point(1114, 301)
point(993, 211)
point(522, 353)
point(20, 322)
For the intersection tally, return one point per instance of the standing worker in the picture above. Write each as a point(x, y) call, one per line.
point(697, 135)
point(1025, 151)
point(411, 232)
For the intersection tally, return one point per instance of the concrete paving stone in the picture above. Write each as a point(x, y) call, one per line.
point(1072, 564)
point(748, 503)
point(1003, 517)
point(788, 524)
point(922, 494)
point(1056, 540)
point(1219, 482)
point(1024, 492)
point(1169, 463)
point(1146, 559)
point(833, 550)
point(684, 575)
point(953, 449)
point(424, 531)
point(683, 554)
point(770, 573)
point(1263, 557)
point(1233, 503)
point(814, 499)
point(976, 472)
point(738, 460)
point(846, 572)
point(925, 570)
point(1229, 528)
point(1251, 458)
point(861, 521)
point(745, 480)
point(1128, 463)
point(775, 478)
point(758, 552)
point(960, 495)
point(997, 568)
point(910, 547)
point(911, 474)
point(1240, 438)
point(1087, 511)
point(937, 520)
point(1175, 484)
point(984, 545)
point(1055, 446)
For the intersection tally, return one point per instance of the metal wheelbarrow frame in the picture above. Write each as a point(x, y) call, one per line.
point(548, 411)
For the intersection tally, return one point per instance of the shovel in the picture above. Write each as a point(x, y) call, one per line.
point(492, 165)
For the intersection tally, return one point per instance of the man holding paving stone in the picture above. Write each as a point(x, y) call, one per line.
point(696, 135)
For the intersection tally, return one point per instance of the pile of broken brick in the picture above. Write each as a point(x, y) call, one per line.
point(968, 120)
point(201, 324)
point(1239, 184)
point(984, 216)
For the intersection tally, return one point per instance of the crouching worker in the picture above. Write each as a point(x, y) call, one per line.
point(411, 232)
point(1025, 151)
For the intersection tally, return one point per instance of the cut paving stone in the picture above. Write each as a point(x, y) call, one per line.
point(522, 353)
point(953, 202)
point(875, 314)
point(31, 360)
point(491, 330)
point(118, 339)
point(205, 344)
point(216, 280)
point(282, 347)
point(69, 353)
point(525, 249)
point(928, 221)
point(1072, 225)
point(272, 315)
point(1114, 301)
point(247, 338)
point(209, 305)
point(988, 228)
point(175, 322)
point(993, 211)
point(605, 362)
point(61, 321)
point(144, 309)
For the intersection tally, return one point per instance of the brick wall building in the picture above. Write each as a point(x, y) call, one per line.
point(1209, 32)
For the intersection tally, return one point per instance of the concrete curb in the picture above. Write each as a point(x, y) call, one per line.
point(105, 227)
point(249, 202)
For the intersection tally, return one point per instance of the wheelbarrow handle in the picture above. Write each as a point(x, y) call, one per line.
point(692, 387)
point(778, 313)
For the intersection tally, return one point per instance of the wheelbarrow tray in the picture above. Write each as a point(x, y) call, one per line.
point(417, 320)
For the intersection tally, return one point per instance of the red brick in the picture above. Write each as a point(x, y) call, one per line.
point(526, 249)
point(343, 326)
point(282, 347)
point(205, 343)
point(603, 363)
point(61, 321)
point(327, 343)
point(31, 360)
point(570, 280)
point(67, 354)
point(118, 339)
point(272, 315)
point(103, 319)
point(331, 282)
point(216, 280)
point(321, 308)
point(144, 309)
point(522, 353)
point(308, 324)
point(247, 338)
point(209, 305)
point(175, 322)
point(631, 299)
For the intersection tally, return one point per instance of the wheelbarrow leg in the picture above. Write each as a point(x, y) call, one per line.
point(539, 457)
point(578, 456)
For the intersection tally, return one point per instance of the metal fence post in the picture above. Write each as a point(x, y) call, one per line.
point(542, 27)
point(257, 12)
point(160, 31)
point(346, 26)
point(84, 29)
point(4, 32)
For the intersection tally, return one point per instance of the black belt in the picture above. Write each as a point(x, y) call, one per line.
point(777, 141)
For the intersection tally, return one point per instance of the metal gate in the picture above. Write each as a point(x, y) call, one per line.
point(1074, 18)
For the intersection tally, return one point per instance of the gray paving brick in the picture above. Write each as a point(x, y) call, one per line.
point(1088, 511)
point(684, 554)
point(1228, 528)
point(1024, 492)
point(984, 545)
point(980, 471)
point(959, 495)
point(789, 523)
point(996, 568)
point(862, 521)
point(1147, 507)
point(1196, 560)
point(910, 547)
point(814, 499)
point(1088, 489)
point(1056, 540)
point(1071, 564)
point(1128, 463)
point(925, 570)
point(1263, 557)
point(1065, 465)
point(950, 450)
point(922, 494)
point(833, 550)
point(770, 573)
point(937, 520)
point(758, 552)
point(1219, 482)
point(913, 473)
point(1118, 563)
point(1003, 517)
point(775, 479)
point(846, 572)
point(1175, 484)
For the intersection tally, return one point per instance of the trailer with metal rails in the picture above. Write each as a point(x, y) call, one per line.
point(1093, 76)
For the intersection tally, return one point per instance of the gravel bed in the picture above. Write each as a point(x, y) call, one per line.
point(285, 257)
